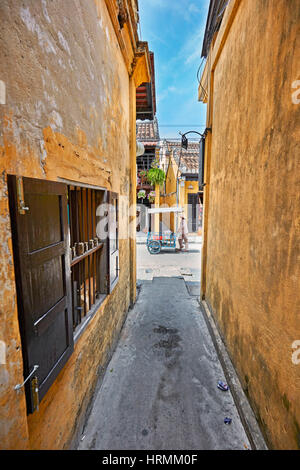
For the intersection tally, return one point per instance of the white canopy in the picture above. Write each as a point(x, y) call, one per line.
point(159, 210)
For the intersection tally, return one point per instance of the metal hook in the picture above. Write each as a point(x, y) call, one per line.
point(18, 386)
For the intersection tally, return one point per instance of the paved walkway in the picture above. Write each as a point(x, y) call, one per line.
point(160, 389)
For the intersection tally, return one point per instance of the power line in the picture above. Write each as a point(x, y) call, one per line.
point(178, 138)
point(181, 125)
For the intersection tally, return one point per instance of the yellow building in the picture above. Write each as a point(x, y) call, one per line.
point(68, 195)
point(182, 182)
point(250, 259)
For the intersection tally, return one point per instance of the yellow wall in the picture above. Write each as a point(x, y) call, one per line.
point(69, 114)
point(252, 208)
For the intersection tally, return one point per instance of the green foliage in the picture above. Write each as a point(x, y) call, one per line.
point(156, 176)
point(141, 194)
point(155, 163)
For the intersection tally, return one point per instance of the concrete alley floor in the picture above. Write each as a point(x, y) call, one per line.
point(160, 389)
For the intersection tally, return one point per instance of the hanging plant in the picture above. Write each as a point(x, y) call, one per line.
point(143, 176)
point(156, 176)
point(151, 196)
point(141, 194)
point(155, 163)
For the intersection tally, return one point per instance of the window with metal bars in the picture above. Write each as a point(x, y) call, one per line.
point(66, 258)
point(87, 250)
point(145, 161)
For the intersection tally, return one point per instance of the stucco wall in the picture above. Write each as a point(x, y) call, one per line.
point(252, 264)
point(66, 116)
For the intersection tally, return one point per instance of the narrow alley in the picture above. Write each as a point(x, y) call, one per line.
point(149, 227)
point(160, 389)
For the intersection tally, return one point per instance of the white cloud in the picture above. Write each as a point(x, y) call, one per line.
point(194, 9)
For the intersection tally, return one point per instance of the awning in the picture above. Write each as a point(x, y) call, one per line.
point(159, 210)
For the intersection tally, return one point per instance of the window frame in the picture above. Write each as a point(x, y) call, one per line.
point(113, 196)
point(106, 254)
point(91, 273)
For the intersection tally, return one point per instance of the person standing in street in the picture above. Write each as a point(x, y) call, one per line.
point(182, 234)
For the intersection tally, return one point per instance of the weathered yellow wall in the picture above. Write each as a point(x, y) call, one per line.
point(66, 116)
point(252, 260)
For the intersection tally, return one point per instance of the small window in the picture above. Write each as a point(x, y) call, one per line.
point(66, 258)
point(87, 250)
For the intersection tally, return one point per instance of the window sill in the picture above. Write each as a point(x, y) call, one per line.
point(83, 325)
point(113, 284)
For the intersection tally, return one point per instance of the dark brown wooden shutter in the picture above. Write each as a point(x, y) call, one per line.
point(193, 211)
point(113, 239)
point(42, 266)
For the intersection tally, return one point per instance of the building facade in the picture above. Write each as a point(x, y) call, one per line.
point(147, 134)
point(250, 258)
point(182, 182)
point(68, 199)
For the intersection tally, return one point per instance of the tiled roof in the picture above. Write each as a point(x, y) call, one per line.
point(189, 162)
point(147, 132)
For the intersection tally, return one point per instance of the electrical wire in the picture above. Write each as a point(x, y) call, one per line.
point(182, 125)
point(199, 68)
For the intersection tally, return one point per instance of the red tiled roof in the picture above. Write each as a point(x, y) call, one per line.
point(189, 162)
point(147, 132)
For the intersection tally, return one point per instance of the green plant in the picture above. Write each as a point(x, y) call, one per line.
point(155, 163)
point(151, 196)
point(141, 194)
point(156, 176)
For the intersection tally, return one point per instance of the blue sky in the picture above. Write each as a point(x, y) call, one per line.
point(174, 30)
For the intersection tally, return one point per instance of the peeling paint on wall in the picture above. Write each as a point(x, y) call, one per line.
point(32, 26)
point(63, 42)
point(44, 5)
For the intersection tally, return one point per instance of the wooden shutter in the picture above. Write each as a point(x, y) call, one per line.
point(113, 239)
point(201, 163)
point(193, 210)
point(42, 266)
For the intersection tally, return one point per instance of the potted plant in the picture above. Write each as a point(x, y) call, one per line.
point(141, 194)
point(151, 196)
point(143, 176)
point(156, 176)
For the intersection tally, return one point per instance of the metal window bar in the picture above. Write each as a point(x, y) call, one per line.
point(144, 162)
point(85, 248)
